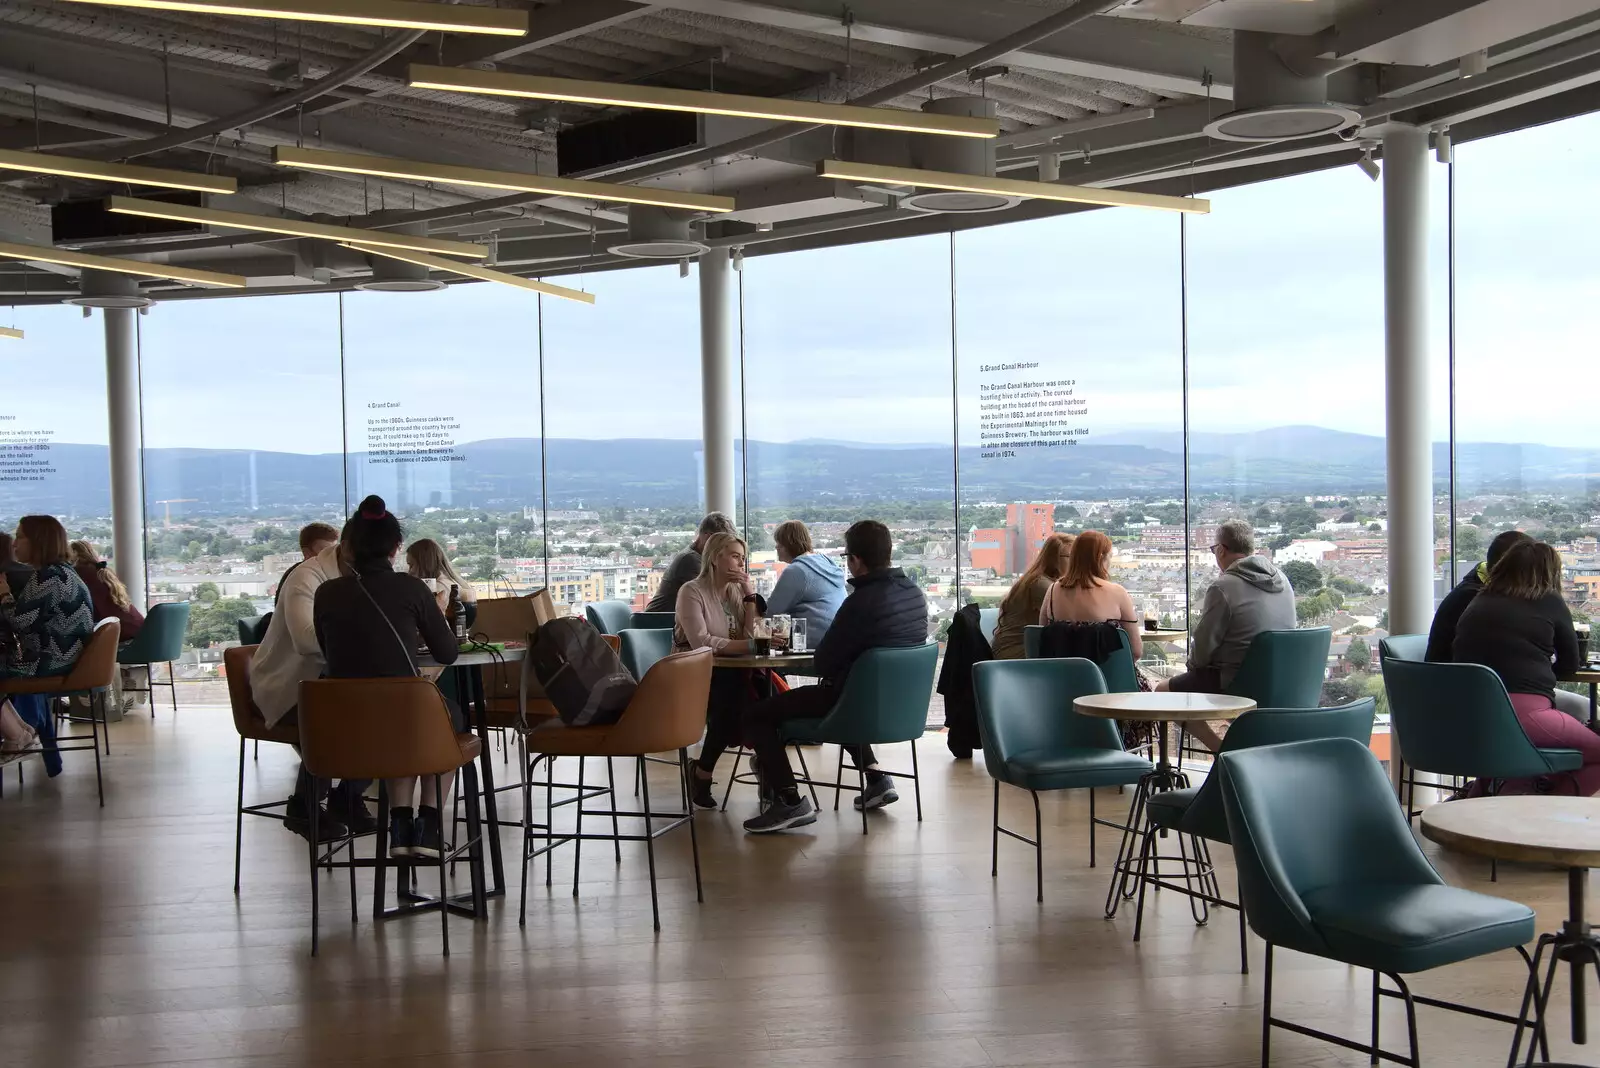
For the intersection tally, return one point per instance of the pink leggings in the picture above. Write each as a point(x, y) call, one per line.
point(1550, 728)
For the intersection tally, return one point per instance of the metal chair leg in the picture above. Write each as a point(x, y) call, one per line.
point(444, 893)
point(1093, 823)
point(611, 781)
point(694, 841)
point(312, 847)
point(577, 839)
point(238, 823)
point(1038, 848)
point(1266, 1014)
point(916, 781)
point(94, 738)
point(649, 843)
point(994, 837)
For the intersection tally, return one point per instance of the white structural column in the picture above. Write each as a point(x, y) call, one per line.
point(1405, 298)
point(719, 403)
point(127, 485)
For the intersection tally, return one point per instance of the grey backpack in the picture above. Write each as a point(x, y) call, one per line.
point(581, 674)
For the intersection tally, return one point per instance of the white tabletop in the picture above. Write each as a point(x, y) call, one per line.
point(1163, 707)
point(479, 658)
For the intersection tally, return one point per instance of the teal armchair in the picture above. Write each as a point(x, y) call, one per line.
point(609, 617)
point(253, 628)
point(1034, 740)
point(1328, 867)
point(1403, 647)
point(884, 700)
point(1198, 810)
point(1284, 668)
point(160, 641)
point(1117, 668)
point(652, 620)
point(642, 648)
point(1457, 720)
point(988, 620)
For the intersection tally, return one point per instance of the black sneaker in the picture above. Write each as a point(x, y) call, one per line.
point(880, 791)
point(402, 834)
point(429, 840)
point(700, 795)
point(957, 750)
point(781, 815)
point(298, 820)
point(351, 811)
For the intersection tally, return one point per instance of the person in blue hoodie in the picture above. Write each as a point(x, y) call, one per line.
point(811, 586)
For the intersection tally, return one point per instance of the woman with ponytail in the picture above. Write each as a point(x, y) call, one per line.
point(106, 591)
point(368, 622)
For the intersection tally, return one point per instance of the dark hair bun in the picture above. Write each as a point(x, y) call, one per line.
point(372, 507)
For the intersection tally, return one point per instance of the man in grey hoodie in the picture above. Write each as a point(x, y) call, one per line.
point(1250, 596)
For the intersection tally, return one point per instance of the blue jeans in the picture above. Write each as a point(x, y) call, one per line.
point(34, 710)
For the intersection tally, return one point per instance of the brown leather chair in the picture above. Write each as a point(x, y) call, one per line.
point(668, 712)
point(252, 726)
point(92, 675)
point(389, 729)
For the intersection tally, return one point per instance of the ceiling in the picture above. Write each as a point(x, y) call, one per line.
point(1123, 96)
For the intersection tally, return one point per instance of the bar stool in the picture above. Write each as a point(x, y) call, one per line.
point(390, 729)
point(252, 726)
point(91, 676)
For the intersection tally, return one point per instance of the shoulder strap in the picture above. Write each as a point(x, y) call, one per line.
point(411, 660)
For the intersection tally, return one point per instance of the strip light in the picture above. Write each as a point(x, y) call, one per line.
point(38, 254)
point(1006, 187)
point(495, 83)
point(11, 332)
point(317, 159)
point(239, 220)
point(397, 14)
point(69, 167)
point(473, 270)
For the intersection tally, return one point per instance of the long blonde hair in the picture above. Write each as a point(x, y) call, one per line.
point(426, 559)
point(1049, 563)
point(83, 554)
point(716, 545)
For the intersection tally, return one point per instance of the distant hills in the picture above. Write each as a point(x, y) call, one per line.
point(507, 472)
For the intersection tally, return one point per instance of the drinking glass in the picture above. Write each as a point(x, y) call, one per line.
point(797, 635)
point(780, 631)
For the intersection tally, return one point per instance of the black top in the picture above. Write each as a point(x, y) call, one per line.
point(1442, 634)
point(1527, 643)
point(355, 641)
point(886, 610)
point(684, 569)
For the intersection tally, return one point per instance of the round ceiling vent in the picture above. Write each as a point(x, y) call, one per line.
point(1282, 122)
point(103, 289)
point(659, 250)
point(400, 285)
point(948, 202)
point(658, 234)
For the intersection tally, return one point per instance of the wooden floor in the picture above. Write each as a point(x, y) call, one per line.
point(123, 944)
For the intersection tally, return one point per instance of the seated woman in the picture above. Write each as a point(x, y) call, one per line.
point(426, 560)
point(43, 627)
point(811, 586)
point(1023, 604)
point(106, 591)
point(718, 611)
point(368, 621)
point(1086, 594)
point(1520, 626)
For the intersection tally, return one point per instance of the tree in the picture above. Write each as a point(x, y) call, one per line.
point(1352, 687)
point(1303, 576)
point(1345, 584)
point(1313, 609)
point(1469, 541)
point(216, 621)
point(1300, 519)
point(207, 593)
point(1282, 541)
point(1359, 655)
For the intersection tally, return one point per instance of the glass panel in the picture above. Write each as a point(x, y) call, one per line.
point(242, 435)
point(1286, 357)
point(847, 356)
point(1071, 402)
point(622, 403)
point(442, 411)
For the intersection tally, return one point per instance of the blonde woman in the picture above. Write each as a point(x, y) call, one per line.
point(718, 611)
point(106, 591)
point(426, 560)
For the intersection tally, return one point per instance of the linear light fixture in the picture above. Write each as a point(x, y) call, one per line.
point(1006, 187)
point(39, 254)
point(69, 167)
point(536, 87)
point(397, 14)
point(473, 270)
point(240, 220)
point(317, 159)
point(11, 332)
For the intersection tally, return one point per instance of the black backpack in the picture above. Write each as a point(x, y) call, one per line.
point(581, 674)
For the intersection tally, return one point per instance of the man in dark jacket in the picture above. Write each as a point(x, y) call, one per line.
point(685, 567)
point(885, 610)
point(1442, 635)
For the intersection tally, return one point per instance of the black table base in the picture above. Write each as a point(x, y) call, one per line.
point(1576, 944)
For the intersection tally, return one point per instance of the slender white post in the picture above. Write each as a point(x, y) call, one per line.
point(127, 483)
point(719, 405)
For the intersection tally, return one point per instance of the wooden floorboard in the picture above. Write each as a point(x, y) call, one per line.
point(124, 945)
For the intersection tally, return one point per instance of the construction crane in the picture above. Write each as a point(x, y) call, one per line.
point(176, 500)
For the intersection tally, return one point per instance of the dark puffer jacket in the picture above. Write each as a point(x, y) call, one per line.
point(885, 610)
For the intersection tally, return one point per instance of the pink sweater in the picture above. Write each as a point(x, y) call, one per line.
point(708, 618)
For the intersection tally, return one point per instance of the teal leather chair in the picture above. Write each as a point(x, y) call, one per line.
point(160, 641)
point(609, 617)
point(1284, 668)
point(1403, 647)
point(652, 620)
point(1328, 866)
point(1198, 810)
point(1457, 719)
point(253, 628)
point(642, 648)
point(884, 700)
point(1033, 740)
point(988, 620)
point(1117, 668)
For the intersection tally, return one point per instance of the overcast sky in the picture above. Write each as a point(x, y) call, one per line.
point(1285, 326)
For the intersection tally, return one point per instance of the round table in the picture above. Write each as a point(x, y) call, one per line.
point(1160, 708)
point(1564, 831)
point(799, 663)
point(1164, 635)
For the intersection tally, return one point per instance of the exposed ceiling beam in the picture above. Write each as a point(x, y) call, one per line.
point(1138, 52)
point(1167, 126)
point(1427, 32)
